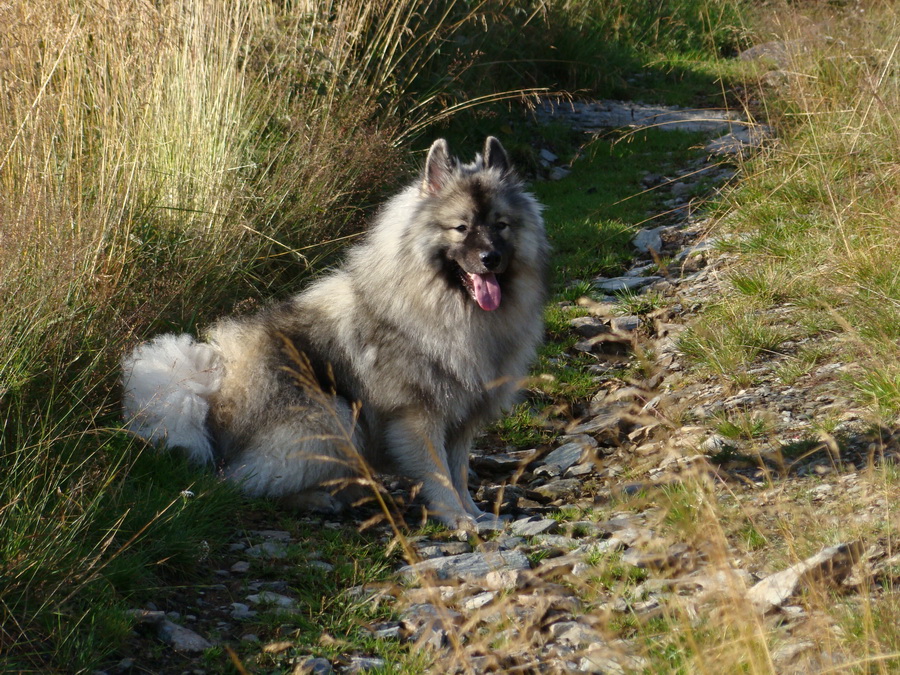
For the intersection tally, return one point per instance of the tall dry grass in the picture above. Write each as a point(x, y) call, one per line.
point(820, 208)
point(158, 160)
point(817, 214)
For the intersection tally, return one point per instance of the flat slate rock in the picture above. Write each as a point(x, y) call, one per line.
point(533, 527)
point(603, 114)
point(182, 639)
point(468, 566)
point(557, 489)
point(619, 284)
point(502, 462)
point(588, 326)
point(828, 566)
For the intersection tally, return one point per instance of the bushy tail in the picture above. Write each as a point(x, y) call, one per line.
point(167, 383)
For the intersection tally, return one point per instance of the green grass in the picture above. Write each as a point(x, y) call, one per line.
point(742, 426)
point(597, 209)
point(729, 337)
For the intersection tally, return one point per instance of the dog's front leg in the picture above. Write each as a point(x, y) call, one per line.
point(416, 445)
point(458, 448)
point(458, 445)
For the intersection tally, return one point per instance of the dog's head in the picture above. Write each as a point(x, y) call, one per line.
point(482, 217)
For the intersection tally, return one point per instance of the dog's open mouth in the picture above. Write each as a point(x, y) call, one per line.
point(484, 289)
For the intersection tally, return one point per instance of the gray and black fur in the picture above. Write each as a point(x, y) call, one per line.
point(401, 354)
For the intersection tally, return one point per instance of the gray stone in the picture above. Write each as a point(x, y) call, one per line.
point(597, 115)
point(314, 666)
point(147, 616)
point(363, 664)
point(785, 655)
point(240, 611)
point(739, 142)
point(648, 239)
point(571, 453)
point(714, 444)
point(640, 270)
point(559, 172)
point(276, 535)
point(556, 541)
point(626, 324)
point(557, 489)
point(268, 549)
point(468, 566)
point(272, 599)
point(503, 462)
point(547, 156)
point(387, 630)
point(240, 567)
point(580, 470)
point(574, 633)
point(624, 284)
point(182, 639)
point(534, 526)
point(548, 470)
point(428, 625)
point(830, 566)
point(604, 425)
point(478, 601)
point(439, 549)
point(588, 326)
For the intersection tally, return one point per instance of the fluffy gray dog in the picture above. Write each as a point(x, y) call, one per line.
point(396, 358)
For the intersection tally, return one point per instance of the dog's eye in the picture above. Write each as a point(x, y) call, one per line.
point(461, 228)
point(500, 225)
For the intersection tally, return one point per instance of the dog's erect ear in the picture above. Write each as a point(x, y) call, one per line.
point(438, 167)
point(494, 155)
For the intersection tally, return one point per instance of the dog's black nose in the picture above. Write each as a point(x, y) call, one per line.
point(491, 259)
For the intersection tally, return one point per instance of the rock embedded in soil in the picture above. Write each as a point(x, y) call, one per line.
point(531, 527)
point(560, 488)
point(272, 550)
point(830, 566)
point(588, 326)
point(182, 639)
point(363, 664)
point(571, 453)
point(313, 666)
point(647, 240)
point(271, 598)
point(428, 625)
point(624, 284)
point(468, 566)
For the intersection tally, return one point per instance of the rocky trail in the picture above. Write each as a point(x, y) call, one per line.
point(623, 520)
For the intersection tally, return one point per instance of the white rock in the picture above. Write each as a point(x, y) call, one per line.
point(647, 239)
point(829, 566)
point(478, 601)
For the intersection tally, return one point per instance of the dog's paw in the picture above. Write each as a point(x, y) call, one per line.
point(461, 523)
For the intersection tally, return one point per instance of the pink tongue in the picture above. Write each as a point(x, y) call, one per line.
point(487, 291)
